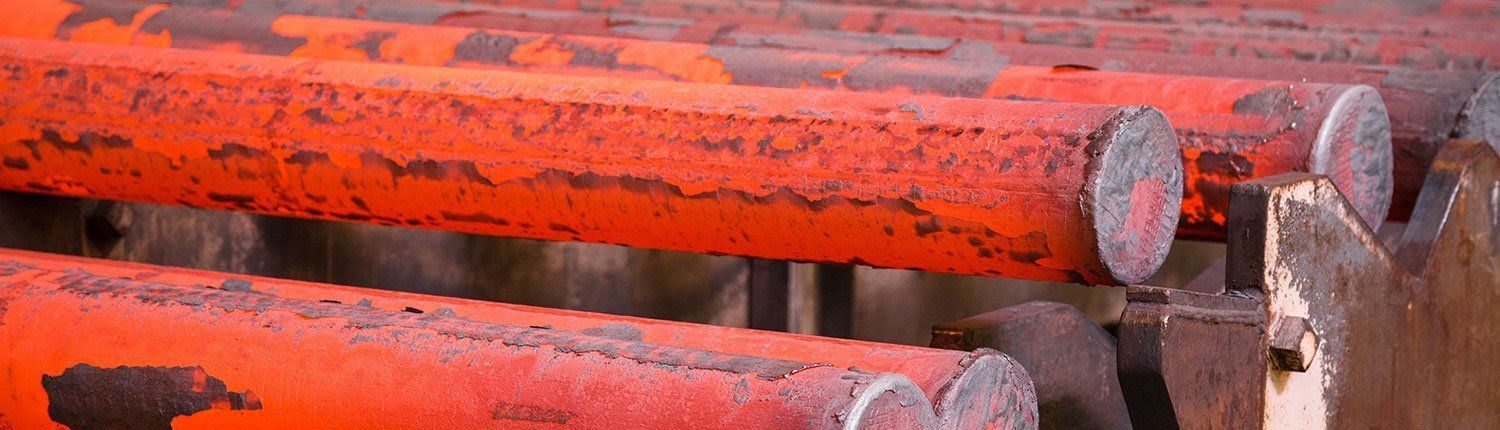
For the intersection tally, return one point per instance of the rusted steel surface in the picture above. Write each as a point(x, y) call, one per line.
point(1404, 336)
point(1431, 51)
point(713, 22)
point(1084, 193)
point(1426, 108)
point(1164, 10)
point(1423, 105)
point(1193, 361)
point(143, 352)
point(980, 389)
point(1230, 130)
point(1070, 359)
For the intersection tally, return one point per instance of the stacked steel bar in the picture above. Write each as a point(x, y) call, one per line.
point(91, 344)
point(980, 389)
point(1082, 193)
point(1426, 107)
point(1230, 130)
point(1391, 49)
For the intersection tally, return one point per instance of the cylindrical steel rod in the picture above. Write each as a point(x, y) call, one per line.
point(967, 388)
point(1432, 52)
point(1230, 130)
point(1423, 105)
point(1153, 8)
point(1083, 193)
point(1426, 108)
point(147, 353)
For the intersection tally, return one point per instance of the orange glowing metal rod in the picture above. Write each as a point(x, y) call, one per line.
point(143, 352)
point(981, 389)
point(1230, 130)
point(1051, 191)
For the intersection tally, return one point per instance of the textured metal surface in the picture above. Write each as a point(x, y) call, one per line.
point(1192, 361)
point(1030, 190)
point(1230, 130)
point(1404, 337)
point(980, 389)
point(1422, 105)
point(1070, 359)
point(1431, 52)
point(1414, 18)
point(137, 343)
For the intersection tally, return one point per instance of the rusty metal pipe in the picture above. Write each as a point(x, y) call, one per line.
point(147, 353)
point(980, 389)
point(1230, 130)
point(1049, 191)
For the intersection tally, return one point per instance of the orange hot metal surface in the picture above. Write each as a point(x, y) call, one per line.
point(87, 349)
point(1433, 52)
point(710, 21)
point(1052, 191)
point(981, 389)
point(1330, 8)
point(1230, 130)
point(1426, 107)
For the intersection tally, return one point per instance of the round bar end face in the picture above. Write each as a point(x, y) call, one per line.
point(993, 392)
point(1133, 192)
point(1354, 150)
point(1480, 118)
point(889, 400)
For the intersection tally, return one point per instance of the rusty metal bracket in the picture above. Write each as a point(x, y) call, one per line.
point(1191, 360)
point(1405, 337)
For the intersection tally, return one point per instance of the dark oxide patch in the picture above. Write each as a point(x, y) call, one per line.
point(86, 397)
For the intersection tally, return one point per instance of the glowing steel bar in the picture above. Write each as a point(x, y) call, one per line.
point(1423, 105)
point(1230, 130)
point(1084, 193)
point(980, 389)
point(149, 350)
point(1426, 107)
point(1432, 52)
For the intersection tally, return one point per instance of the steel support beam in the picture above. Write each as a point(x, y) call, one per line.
point(1361, 331)
point(1383, 321)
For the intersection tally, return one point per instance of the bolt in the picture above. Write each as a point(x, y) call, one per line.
point(1294, 344)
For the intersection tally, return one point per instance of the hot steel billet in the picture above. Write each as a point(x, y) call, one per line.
point(1230, 130)
point(705, 21)
point(1425, 51)
point(1426, 108)
point(1164, 10)
point(1049, 191)
point(140, 352)
point(967, 388)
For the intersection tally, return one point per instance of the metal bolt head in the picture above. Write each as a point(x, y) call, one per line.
point(1293, 344)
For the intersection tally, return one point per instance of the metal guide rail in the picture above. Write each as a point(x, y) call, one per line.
point(1346, 161)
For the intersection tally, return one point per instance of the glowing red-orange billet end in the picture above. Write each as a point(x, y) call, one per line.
point(88, 343)
point(980, 389)
point(1048, 191)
